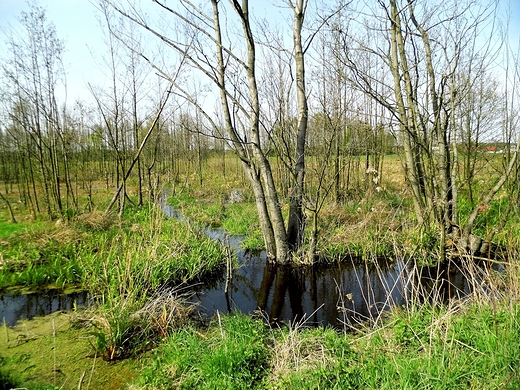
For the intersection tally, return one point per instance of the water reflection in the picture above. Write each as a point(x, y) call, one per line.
point(14, 307)
point(339, 294)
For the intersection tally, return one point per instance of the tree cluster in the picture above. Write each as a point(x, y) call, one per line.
point(325, 88)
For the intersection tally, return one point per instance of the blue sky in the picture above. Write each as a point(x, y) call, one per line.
point(77, 24)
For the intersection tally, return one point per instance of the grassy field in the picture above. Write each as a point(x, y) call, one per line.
point(142, 331)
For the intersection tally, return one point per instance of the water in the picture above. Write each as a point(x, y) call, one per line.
point(14, 307)
point(340, 294)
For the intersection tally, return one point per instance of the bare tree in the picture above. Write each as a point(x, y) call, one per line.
point(121, 109)
point(425, 47)
point(110, 106)
point(33, 74)
point(200, 38)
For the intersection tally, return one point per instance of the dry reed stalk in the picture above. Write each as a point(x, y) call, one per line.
point(229, 266)
point(166, 310)
point(434, 287)
point(54, 351)
point(95, 220)
point(6, 331)
point(92, 370)
point(293, 352)
point(80, 383)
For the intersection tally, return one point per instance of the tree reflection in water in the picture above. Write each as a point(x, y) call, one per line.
point(339, 294)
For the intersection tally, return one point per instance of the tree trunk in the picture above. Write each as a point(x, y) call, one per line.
point(407, 130)
point(251, 154)
point(11, 214)
point(296, 222)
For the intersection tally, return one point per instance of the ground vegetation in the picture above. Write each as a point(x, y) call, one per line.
point(390, 136)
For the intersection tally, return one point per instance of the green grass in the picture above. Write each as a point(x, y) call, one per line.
point(100, 252)
point(39, 254)
point(307, 358)
point(238, 219)
point(474, 345)
point(57, 273)
point(170, 253)
point(6, 380)
point(442, 349)
point(8, 229)
point(232, 354)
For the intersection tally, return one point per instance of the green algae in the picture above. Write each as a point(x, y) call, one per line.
point(51, 352)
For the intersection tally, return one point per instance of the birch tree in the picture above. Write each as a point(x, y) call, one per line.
point(220, 46)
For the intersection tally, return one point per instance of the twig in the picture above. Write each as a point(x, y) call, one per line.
point(54, 351)
point(92, 370)
point(220, 324)
point(81, 380)
point(6, 331)
point(229, 272)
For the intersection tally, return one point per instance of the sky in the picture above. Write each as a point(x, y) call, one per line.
point(77, 24)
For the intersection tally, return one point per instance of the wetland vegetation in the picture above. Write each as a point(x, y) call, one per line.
point(383, 195)
point(143, 325)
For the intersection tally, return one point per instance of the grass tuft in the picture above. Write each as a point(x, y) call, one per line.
point(127, 326)
point(95, 221)
point(232, 354)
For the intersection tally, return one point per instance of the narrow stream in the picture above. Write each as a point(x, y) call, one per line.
point(339, 294)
